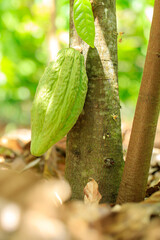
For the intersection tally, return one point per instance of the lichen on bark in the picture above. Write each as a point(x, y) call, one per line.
point(94, 145)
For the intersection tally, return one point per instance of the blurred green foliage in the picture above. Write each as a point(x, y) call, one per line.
point(24, 52)
point(133, 20)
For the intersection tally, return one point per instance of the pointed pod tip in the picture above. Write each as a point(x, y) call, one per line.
point(35, 151)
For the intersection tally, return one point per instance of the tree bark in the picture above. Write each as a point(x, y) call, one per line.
point(140, 148)
point(94, 145)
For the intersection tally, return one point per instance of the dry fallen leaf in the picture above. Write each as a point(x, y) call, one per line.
point(91, 193)
point(79, 217)
point(36, 209)
point(153, 189)
point(153, 230)
point(12, 144)
point(129, 222)
point(31, 164)
point(29, 206)
point(154, 198)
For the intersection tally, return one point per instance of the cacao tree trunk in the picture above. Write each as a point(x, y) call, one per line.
point(94, 145)
point(139, 152)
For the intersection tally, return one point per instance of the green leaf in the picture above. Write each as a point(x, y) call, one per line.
point(84, 21)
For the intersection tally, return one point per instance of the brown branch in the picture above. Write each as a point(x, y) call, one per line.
point(137, 164)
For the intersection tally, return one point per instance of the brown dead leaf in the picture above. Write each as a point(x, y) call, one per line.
point(37, 226)
point(14, 185)
point(129, 222)
point(153, 189)
point(91, 193)
point(79, 216)
point(31, 164)
point(12, 144)
point(153, 231)
point(29, 207)
point(28, 188)
point(154, 198)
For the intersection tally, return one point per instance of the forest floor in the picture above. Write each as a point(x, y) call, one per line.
point(34, 198)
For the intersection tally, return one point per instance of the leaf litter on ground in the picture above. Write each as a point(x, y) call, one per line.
point(35, 200)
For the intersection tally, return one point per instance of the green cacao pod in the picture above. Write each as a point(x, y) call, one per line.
point(58, 101)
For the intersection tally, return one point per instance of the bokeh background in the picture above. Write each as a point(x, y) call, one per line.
point(31, 33)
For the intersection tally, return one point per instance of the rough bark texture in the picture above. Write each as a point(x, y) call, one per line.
point(145, 121)
point(94, 145)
